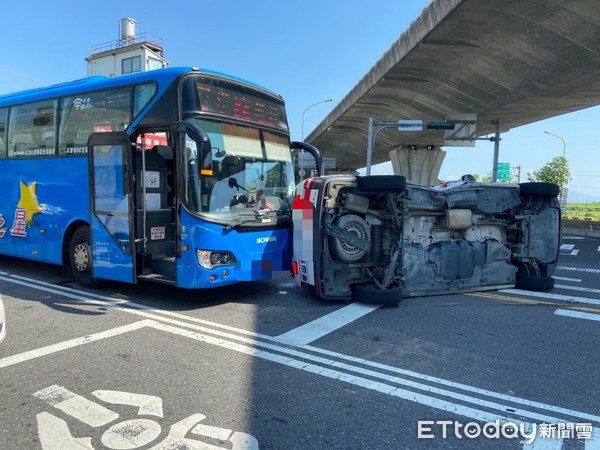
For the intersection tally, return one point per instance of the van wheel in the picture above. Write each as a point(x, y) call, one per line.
point(80, 257)
point(545, 190)
point(378, 183)
point(356, 226)
point(533, 282)
point(371, 293)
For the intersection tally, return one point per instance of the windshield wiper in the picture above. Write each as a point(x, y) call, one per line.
point(241, 221)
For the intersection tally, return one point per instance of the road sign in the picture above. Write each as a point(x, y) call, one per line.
point(306, 161)
point(440, 126)
point(465, 132)
point(410, 125)
point(503, 171)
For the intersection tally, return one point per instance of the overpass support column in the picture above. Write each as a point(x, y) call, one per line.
point(419, 166)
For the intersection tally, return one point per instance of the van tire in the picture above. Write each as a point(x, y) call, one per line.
point(356, 225)
point(377, 183)
point(546, 190)
point(371, 293)
point(533, 282)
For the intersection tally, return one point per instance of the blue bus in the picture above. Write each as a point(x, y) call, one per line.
point(178, 175)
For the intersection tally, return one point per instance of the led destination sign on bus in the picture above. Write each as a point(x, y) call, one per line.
point(240, 105)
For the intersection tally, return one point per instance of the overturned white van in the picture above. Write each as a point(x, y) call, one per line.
point(380, 238)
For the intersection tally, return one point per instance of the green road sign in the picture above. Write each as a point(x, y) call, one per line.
point(503, 171)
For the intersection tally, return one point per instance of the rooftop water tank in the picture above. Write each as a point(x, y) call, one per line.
point(128, 29)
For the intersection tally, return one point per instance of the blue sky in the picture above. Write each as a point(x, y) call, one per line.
point(306, 51)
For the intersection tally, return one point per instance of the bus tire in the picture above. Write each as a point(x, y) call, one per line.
point(377, 183)
point(80, 257)
point(371, 293)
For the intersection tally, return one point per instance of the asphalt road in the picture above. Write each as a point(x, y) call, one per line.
point(264, 365)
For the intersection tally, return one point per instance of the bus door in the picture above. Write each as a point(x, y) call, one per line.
point(111, 185)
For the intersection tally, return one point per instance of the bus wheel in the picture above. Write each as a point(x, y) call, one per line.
point(80, 257)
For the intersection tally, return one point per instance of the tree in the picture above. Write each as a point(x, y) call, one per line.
point(487, 178)
point(556, 171)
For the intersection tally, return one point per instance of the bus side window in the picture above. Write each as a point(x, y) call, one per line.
point(31, 129)
point(3, 114)
point(90, 113)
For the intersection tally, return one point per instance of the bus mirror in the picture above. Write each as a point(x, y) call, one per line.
point(197, 134)
point(310, 149)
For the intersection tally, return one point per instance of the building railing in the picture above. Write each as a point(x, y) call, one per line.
point(140, 38)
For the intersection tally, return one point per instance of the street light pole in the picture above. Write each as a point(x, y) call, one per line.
point(307, 108)
point(563, 189)
point(563, 141)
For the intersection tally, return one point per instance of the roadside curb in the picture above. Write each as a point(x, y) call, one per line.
point(595, 234)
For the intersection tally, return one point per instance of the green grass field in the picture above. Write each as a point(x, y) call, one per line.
point(581, 215)
point(582, 211)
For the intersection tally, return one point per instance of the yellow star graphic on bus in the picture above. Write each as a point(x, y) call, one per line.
point(29, 201)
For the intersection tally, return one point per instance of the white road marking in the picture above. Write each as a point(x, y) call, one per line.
point(339, 376)
point(578, 269)
point(275, 346)
point(569, 249)
point(578, 288)
point(76, 406)
point(55, 435)
point(149, 405)
point(547, 295)
point(327, 324)
point(322, 366)
point(222, 434)
point(32, 354)
point(577, 314)
point(575, 238)
point(54, 432)
point(108, 302)
point(183, 319)
point(574, 280)
point(178, 432)
point(305, 359)
point(131, 434)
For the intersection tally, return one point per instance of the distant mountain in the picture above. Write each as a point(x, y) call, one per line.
point(576, 197)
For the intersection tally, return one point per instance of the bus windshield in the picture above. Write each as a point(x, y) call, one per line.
point(247, 177)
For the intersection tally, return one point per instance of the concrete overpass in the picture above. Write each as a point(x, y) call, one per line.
point(519, 61)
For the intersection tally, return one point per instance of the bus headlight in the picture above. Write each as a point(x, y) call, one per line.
point(210, 259)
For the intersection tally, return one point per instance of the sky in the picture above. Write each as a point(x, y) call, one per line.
point(307, 51)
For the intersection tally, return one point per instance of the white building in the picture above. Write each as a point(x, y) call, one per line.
point(132, 53)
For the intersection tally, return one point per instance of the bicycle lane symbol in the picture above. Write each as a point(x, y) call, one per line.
point(54, 432)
